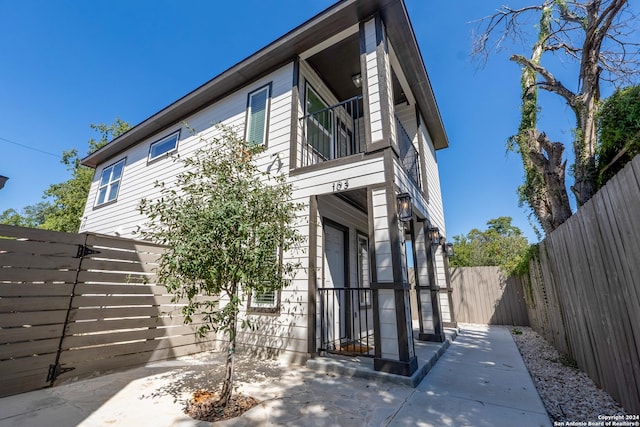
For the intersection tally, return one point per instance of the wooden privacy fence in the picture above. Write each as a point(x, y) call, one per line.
point(72, 305)
point(483, 295)
point(585, 289)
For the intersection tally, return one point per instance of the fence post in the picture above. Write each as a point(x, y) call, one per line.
point(56, 369)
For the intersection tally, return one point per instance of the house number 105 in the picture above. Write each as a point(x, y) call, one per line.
point(340, 185)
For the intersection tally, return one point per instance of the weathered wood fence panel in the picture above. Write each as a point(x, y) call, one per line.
point(73, 305)
point(483, 295)
point(585, 288)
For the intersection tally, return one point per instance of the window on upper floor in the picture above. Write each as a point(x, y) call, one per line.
point(319, 124)
point(258, 115)
point(110, 183)
point(165, 145)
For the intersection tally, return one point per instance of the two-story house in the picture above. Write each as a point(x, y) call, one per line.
point(344, 107)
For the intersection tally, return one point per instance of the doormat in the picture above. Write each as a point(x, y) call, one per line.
point(355, 348)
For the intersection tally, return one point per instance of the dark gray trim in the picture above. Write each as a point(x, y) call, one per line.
point(423, 156)
point(438, 334)
point(341, 161)
point(396, 260)
point(264, 310)
point(447, 275)
point(415, 271)
point(295, 102)
point(312, 288)
point(336, 18)
point(404, 368)
point(166, 154)
point(388, 285)
point(422, 336)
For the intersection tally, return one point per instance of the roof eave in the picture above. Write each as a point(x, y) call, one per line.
point(336, 18)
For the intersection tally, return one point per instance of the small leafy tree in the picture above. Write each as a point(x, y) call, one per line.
point(501, 244)
point(224, 223)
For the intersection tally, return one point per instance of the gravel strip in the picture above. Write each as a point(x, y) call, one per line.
point(568, 393)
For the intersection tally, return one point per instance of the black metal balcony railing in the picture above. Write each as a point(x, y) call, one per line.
point(333, 132)
point(346, 321)
point(408, 154)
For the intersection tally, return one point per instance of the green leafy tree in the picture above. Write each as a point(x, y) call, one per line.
point(64, 202)
point(619, 132)
point(68, 198)
point(32, 216)
point(596, 36)
point(225, 224)
point(501, 244)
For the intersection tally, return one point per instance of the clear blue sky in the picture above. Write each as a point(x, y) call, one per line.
point(67, 63)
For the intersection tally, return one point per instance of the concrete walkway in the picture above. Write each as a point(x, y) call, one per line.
point(480, 380)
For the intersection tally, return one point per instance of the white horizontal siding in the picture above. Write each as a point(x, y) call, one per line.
point(435, 208)
point(372, 80)
point(138, 177)
point(359, 175)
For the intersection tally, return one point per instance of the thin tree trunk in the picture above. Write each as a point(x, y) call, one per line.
point(227, 383)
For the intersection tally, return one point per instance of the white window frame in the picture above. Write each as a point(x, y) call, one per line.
point(267, 106)
point(257, 304)
point(175, 135)
point(109, 184)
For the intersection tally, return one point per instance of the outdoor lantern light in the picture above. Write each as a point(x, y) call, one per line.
point(434, 235)
point(357, 80)
point(3, 180)
point(449, 248)
point(405, 210)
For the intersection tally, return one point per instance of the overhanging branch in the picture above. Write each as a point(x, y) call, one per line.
point(551, 84)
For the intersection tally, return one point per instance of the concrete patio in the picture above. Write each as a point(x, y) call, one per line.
point(480, 380)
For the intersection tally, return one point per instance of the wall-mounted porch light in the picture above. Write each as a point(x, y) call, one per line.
point(357, 80)
point(449, 249)
point(434, 235)
point(405, 209)
point(3, 180)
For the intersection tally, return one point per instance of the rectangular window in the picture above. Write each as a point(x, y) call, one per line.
point(164, 146)
point(258, 116)
point(267, 301)
point(363, 271)
point(319, 124)
point(110, 183)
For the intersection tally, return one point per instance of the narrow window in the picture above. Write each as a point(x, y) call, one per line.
point(164, 146)
point(258, 116)
point(110, 183)
point(363, 271)
point(268, 301)
point(319, 124)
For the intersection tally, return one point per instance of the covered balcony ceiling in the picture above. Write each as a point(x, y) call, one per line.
point(338, 63)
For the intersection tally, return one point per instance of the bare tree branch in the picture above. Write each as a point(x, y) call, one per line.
point(551, 83)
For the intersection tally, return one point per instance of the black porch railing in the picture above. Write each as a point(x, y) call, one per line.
point(346, 321)
point(333, 132)
point(408, 154)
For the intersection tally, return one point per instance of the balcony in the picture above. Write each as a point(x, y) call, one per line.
point(332, 132)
